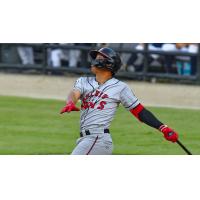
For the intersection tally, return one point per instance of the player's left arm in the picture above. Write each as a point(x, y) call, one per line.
point(144, 115)
point(72, 99)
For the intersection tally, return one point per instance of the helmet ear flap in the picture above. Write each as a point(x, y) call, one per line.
point(117, 63)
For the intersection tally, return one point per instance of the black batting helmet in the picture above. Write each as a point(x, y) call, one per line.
point(112, 61)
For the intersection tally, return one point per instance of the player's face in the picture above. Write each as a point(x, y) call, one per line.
point(95, 69)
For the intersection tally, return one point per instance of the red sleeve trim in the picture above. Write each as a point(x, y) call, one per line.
point(135, 111)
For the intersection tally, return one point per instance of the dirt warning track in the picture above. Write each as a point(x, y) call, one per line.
point(57, 87)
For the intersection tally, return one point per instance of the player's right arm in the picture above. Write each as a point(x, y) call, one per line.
point(72, 99)
point(74, 96)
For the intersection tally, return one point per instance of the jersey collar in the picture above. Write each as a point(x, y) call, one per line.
point(106, 82)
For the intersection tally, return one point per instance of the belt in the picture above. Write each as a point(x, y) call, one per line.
point(87, 132)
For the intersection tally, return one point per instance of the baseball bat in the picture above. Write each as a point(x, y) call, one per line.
point(183, 147)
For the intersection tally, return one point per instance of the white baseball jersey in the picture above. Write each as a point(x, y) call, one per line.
point(99, 102)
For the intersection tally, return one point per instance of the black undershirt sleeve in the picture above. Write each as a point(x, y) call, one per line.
point(148, 118)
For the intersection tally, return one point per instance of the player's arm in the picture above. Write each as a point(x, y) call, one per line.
point(72, 99)
point(148, 118)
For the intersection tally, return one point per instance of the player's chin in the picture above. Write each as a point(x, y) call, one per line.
point(93, 69)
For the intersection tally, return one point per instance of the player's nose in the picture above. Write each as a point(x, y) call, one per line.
point(94, 63)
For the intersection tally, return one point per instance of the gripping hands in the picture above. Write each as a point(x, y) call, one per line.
point(70, 106)
point(169, 134)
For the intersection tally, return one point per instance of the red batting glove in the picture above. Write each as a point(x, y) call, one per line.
point(169, 134)
point(69, 107)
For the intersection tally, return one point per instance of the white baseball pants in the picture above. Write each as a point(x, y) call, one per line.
point(96, 144)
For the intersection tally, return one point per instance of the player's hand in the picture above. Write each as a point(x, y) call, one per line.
point(168, 133)
point(69, 107)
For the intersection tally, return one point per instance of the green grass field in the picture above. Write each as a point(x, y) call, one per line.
point(34, 126)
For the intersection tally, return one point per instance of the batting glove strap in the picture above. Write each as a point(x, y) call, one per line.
point(162, 127)
point(168, 133)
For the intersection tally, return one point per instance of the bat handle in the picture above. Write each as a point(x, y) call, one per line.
point(183, 147)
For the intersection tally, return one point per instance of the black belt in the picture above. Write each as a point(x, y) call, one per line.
point(87, 132)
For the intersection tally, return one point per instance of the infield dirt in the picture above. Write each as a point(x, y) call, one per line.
point(57, 87)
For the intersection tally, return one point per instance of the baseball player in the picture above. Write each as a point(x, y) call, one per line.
point(100, 97)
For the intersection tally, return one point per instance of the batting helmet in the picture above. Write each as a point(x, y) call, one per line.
point(112, 59)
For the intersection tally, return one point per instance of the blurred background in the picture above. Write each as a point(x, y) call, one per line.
point(35, 79)
point(177, 62)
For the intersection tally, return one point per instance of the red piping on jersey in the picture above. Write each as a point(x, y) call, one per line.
point(92, 145)
point(136, 111)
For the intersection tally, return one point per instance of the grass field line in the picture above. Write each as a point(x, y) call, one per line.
point(174, 106)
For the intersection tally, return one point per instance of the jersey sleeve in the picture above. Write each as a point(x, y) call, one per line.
point(128, 98)
point(79, 85)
